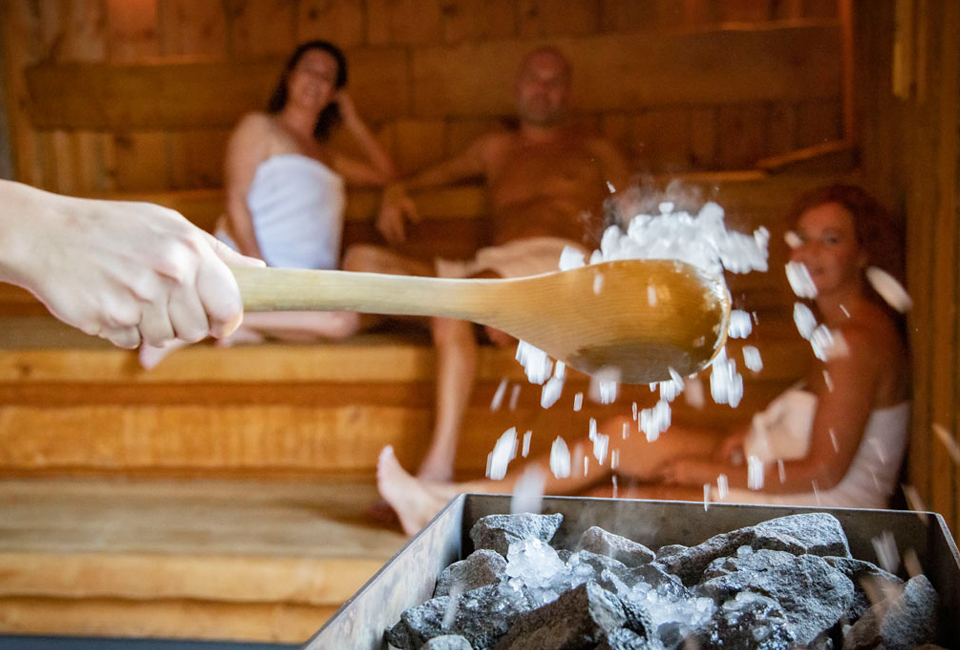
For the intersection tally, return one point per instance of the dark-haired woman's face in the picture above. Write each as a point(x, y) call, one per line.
point(313, 81)
point(828, 247)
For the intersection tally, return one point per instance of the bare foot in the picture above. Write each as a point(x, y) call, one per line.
point(151, 355)
point(433, 470)
point(413, 501)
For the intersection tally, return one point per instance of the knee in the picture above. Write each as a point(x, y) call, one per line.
point(363, 258)
point(343, 324)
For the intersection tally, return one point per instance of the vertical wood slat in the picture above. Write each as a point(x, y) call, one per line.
point(20, 25)
point(259, 28)
point(192, 27)
point(943, 330)
point(949, 181)
point(339, 21)
point(547, 18)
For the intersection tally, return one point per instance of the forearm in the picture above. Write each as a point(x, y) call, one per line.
point(25, 214)
point(372, 150)
point(242, 230)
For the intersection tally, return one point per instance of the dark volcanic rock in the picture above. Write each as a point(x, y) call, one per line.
point(497, 532)
point(815, 533)
point(577, 620)
point(749, 621)
point(597, 540)
point(901, 622)
point(871, 583)
point(813, 594)
point(624, 639)
point(479, 569)
point(482, 616)
point(448, 642)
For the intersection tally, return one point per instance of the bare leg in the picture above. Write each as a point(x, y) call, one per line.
point(415, 501)
point(456, 370)
point(640, 459)
point(303, 326)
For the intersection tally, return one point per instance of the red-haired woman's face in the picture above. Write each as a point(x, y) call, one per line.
point(313, 81)
point(828, 247)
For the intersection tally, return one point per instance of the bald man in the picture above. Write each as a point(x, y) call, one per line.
point(546, 184)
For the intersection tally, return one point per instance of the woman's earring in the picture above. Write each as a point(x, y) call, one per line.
point(889, 289)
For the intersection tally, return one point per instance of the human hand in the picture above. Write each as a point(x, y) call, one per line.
point(131, 272)
point(395, 208)
point(348, 110)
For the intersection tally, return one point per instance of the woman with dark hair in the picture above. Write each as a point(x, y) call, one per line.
point(836, 439)
point(285, 186)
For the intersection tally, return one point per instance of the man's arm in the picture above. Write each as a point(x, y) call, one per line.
point(397, 205)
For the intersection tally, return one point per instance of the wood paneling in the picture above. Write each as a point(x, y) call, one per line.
point(911, 158)
point(622, 72)
point(177, 96)
point(125, 73)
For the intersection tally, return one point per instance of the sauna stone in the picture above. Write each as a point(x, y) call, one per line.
point(813, 594)
point(578, 619)
point(597, 540)
point(448, 642)
point(479, 569)
point(814, 533)
point(497, 532)
point(902, 621)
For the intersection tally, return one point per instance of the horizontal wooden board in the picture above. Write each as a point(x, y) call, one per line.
point(183, 95)
point(613, 72)
point(632, 71)
point(166, 619)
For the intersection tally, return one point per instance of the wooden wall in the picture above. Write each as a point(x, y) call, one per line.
point(681, 84)
point(909, 53)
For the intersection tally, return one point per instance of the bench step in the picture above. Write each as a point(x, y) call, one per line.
point(238, 560)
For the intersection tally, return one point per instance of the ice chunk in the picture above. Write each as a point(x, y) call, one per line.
point(800, 281)
point(503, 452)
point(560, 458)
point(740, 324)
point(751, 358)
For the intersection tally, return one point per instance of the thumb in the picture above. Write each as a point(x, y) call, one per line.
point(230, 256)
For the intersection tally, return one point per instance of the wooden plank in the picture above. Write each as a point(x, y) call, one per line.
point(550, 18)
point(196, 158)
point(191, 95)
point(781, 129)
point(745, 11)
point(193, 27)
point(626, 71)
point(741, 135)
point(704, 143)
point(338, 21)
point(402, 22)
point(167, 619)
point(661, 139)
point(74, 30)
point(419, 143)
point(132, 30)
point(819, 122)
point(478, 20)
point(159, 576)
point(20, 40)
point(141, 161)
point(258, 28)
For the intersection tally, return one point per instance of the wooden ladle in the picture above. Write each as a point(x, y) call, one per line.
point(641, 317)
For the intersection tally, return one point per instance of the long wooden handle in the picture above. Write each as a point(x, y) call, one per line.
point(273, 289)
